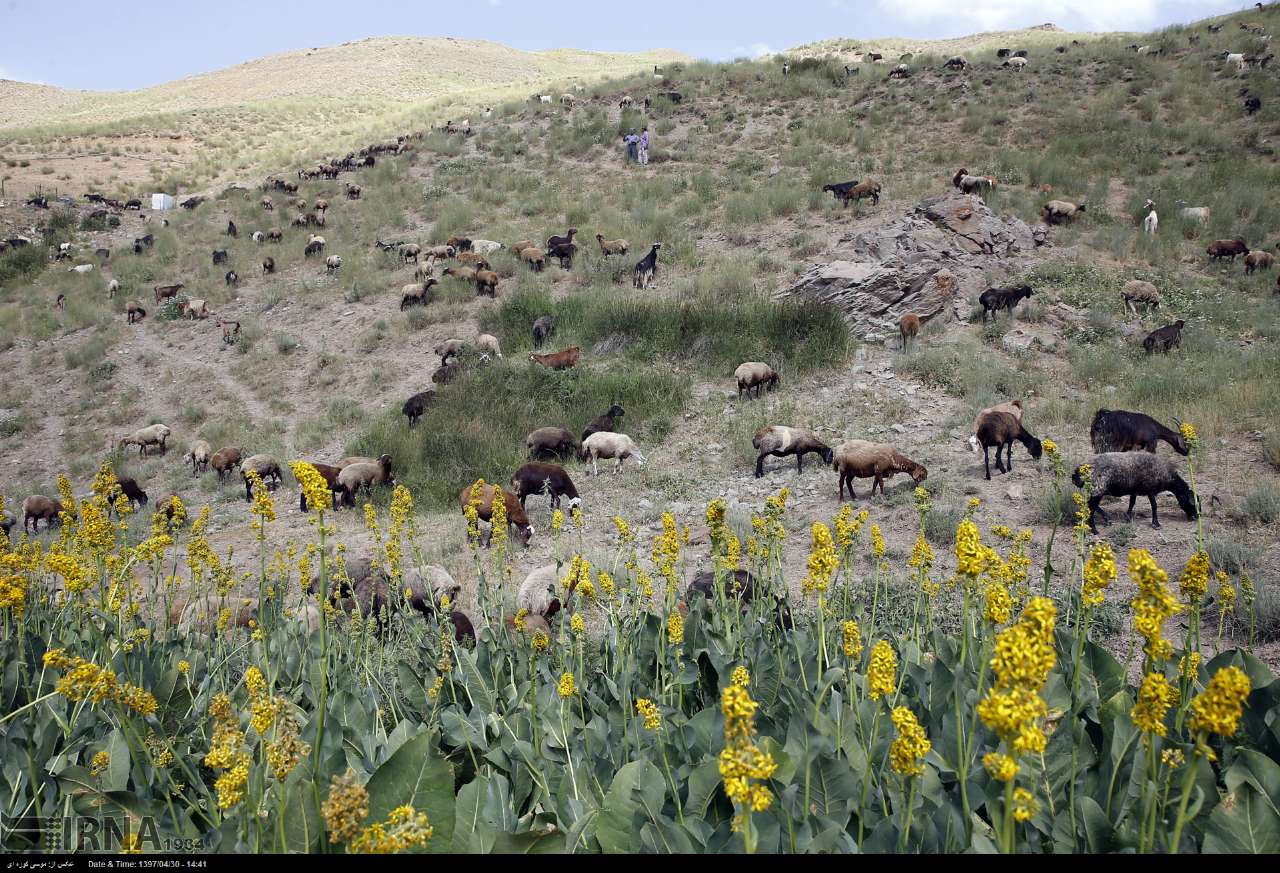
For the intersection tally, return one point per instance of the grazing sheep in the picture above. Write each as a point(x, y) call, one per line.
point(134, 312)
point(113, 287)
point(1152, 221)
point(1060, 211)
point(225, 460)
point(605, 423)
point(416, 405)
point(646, 269)
point(416, 294)
point(607, 445)
point(485, 247)
point(167, 292)
point(561, 360)
point(364, 475)
point(1134, 474)
point(230, 331)
point(611, 246)
point(901, 71)
point(486, 283)
point(198, 455)
point(1012, 407)
point(969, 184)
point(196, 307)
point(909, 327)
point(1165, 338)
point(219, 256)
point(267, 468)
point(129, 488)
point(1138, 292)
point(333, 264)
point(551, 442)
point(38, 508)
point(563, 253)
point(473, 259)
point(7, 521)
point(1226, 248)
point(543, 326)
point(153, 435)
point(409, 252)
point(861, 459)
point(955, 63)
point(1258, 260)
point(537, 593)
point(268, 265)
point(1115, 430)
point(1198, 214)
point(446, 374)
point(1017, 63)
point(267, 204)
point(518, 247)
point(852, 192)
point(516, 516)
point(459, 243)
point(488, 344)
point(1000, 429)
point(552, 480)
point(275, 235)
point(232, 278)
point(313, 247)
point(535, 258)
point(741, 585)
point(780, 442)
point(1236, 58)
point(81, 269)
point(450, 348)
point(554, 242)
point(995, 299)
point(757, 375)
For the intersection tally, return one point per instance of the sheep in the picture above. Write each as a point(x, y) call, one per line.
point(556, 241)
point(426, 270)
point(196, 307)
point(1012, 407)
point(861, 459)
point(901, 71)
point(535, 258)
point(129, 488)
point(1226, 248)
point(1236, 58)
point(742, 586)
point(450, 348)
point(969, 184)
point(487, 343)
point(333, 264)
point(37, 508)
point(955, 63)
point(646, 269)
point(909, 328)
point(1198, 214)
point(611, 246)
point(485, 247)
point(446, 374)
point(561, 360)
point(780, 441)
point(995, 299)
point(267, 468)
point(757, 375)
point(552, 480)
point(1252, 104)
point(1016, 63)
point(626, 102)
point(329, 473)
point(416, 294)
point(153, 435)
point(852, 192)
point(81, 269)
point(1115, 430)
point(267, 203)
point(230, 331)
point(409, 252)
point(516, 516)
point(605, 423)
point(225, 460)
point(268, 265)
point(609, 445)
point(275, 235)
point(198, 455)
point(459, 243)
point(1152, 221)
point(321, 205)
point(564, 254)
point(232, 278)
point(473, 259)
point(416, 405)
point(219, 256)
point(551, 442)
point(1165, 338)
point(1137, 291)
point(1258, 260)
point(314, 246)
point(364, 475)
point(1060, 211)
point(113, 287)
point(486, 283)
point(353, 191)
point(537, 593)
point(543, 326)
point(521, 245)
point(1133, 474)
point(166, 292)
point(134, 312)
point(1000, 429)
point(7, 521)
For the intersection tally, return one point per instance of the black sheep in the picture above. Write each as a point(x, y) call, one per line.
point(416, 405)
point(607, 423)
point(1134, 474)
point(553, 480)
point(1115, 430)
point(1165, 338)
point(1000, 429)
point(742, 585)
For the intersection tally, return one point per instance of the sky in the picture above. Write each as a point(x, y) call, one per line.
point(97, 45)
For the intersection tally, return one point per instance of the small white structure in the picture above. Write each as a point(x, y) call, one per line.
point(163, 201)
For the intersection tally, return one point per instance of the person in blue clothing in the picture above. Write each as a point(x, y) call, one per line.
point(631, 140)
point(643, 149)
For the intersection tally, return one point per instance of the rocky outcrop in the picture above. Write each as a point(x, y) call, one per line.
point(933, 262)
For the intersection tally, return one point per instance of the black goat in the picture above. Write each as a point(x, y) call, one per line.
point(995, 299)
point(416, 405)
point(607, 423)
point(1115, 430)
point(742, 586)
point(1164, 338)
point(647, 269)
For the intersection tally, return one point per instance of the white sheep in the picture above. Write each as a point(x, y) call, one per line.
point(198, 455)
point(485, 246)
point(606, 444)
point(112, 287)
point(544, 98)
point(333, 263)
point(196, 307)
point(83, 269)
point(1236, 58)
point(1152, 221)
point(487, 342)
point(537, 593)
point(1198, 214)
point(154, 435)
point(1017, 64)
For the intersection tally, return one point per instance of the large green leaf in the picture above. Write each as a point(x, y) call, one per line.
point(1244, 822)
point(415, 776)
point(637, 787)
point(303, 829)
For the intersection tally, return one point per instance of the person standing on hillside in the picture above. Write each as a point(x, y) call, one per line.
point(631, 140)
point(644, 147)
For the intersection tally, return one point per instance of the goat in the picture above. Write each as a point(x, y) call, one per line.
point(646, 270)
point(561, 360)
point(1165, 338)
point(995, 299)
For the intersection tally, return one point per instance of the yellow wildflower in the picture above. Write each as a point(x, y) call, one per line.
point(1099, 573)
point(1193, 584)
point(1218, 708)
point(1002, 767)
point(882, 671)
point(1025, 806)
point(1152, 605)
point(911, 744)
point(346, 806)
point(740, 676)
point(675, 629)
point(565, 687)
point(649, 711)
point(314, 488)
point(404, 829)
point(823, 561)
point(1155, 698)
point(851, 639)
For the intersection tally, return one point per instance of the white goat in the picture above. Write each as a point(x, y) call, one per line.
point(1152, 221)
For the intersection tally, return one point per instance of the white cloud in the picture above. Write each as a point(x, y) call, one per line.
point(1007, 14)
point(755, 50)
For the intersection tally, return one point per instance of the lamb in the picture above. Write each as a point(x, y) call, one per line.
point(166, 292)
point(134, 312)
point(551, 442)
point(781, 441)
point(861, 459)
point(609, 445)
point(561, 360)
point(909, 327)
point(646, 269)
point(606, 423)
point(1258, 260)
point(486, 283)
point(153, 435)
point(364, 475)
point(534, 257)
point(1120, 431)
point(198, 455)
point(268, 265)
point(1165, 338)
point(516, 516)
point(995, 299)
point(416, 405)
point(416, 294)
point(230, 331)
point(537, 593)
point(552, 480)
point(488, 344)
point(1134, 474)
point(1152, 221)
point(1013, 407)
point(1137, 291)
point(1000, 429)
point(197, 308)
point(1060, 211)
point(757, 375)
point(1226, 248)
point(333, 264)
point(37, 508)
point(518, 247)
point(543, 326)
point(611, 246)
point(1198, 214)
point(225, 460)
point(267, 468)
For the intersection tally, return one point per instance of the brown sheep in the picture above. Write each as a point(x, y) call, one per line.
point(551, 442)
point(1000, 429)
point(225, 460)
point(486, 283)
point(535, 258)
point(781, 441)
point(1226, 248)
point(134, 312)
point(909, 327)
point(757, 375)
point(516, 516)
point(37, 508)
point(860, 459)
point(1258, 260)
point(611, 246)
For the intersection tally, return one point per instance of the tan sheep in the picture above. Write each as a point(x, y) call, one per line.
point(1138, 291)
point(198, 455)
point(154, 435)
point(860, 459)
point(757, 375)
point(606, 444)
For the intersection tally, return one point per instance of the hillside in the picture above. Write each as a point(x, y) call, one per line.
point(1045, 37)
